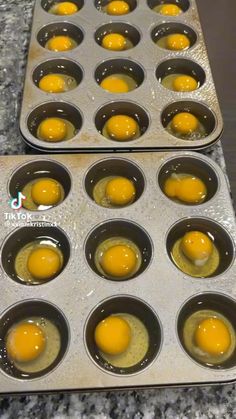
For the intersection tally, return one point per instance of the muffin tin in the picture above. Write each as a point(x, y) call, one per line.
point(159, 294)
point(88, 105)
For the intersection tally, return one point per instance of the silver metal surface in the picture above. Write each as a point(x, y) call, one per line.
point(89, 97)
point(78, 290)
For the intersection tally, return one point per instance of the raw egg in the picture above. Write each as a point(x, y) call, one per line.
point(55, 130)
point(196, 254)
point(117, 8)
point(121, 128)
point(42, 193)
point(64, 8)
point(174, 42)
point(180, 82)
point(122, 340)
point(118, 258)
point(57, 83)
point(185, 188)
point(168, 9)
point(114, 42)
point(209, 337)
point(60, 43)
point(38, 261)
point(186, 126)
point(33, 344)
point(118, 83)
point(114, 191)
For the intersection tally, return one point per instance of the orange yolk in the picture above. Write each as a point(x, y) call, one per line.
point(113, 335)
point(212, 336)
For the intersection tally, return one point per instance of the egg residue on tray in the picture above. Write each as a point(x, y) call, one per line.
point(174, 42)
point(57, 83)
point(118, 83)
point(118, 258)
point(114, 191)
point(116, 42)
point(64, 8)
point(38, 261)
point(33, 344)
point(60, 43)
point(42, 194)
point(168, 9)
point(121, 128)
point(185, 188)
point(196, 254)
point(180, 82)
point(122, 340)
point(55, 130)
point(209, 337)
point(117, 8)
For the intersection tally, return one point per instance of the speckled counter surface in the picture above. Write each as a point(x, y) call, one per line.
point(209, 402)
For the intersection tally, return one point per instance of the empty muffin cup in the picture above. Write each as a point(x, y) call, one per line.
point(117, 36)
point(60, 29)
point(126, 131)
point(146, 329)
point(57, 76)
point(160, 33)
point(178, 168)
point(119, 75)
point(61, 111)
point(42, 321)
point(216, 313)
point(206, 254)
point(127, 6)
point(201, 123)
point(28, 174)
point(117, 241)
point(48, 4)
point(180, 75)
point(35, 254)
point(156, 5)
point(101, 173)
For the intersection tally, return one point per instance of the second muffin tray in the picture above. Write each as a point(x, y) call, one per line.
point(88, 106)
point(160, 295)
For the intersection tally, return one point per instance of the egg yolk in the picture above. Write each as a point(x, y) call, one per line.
point(114, 42)
point(184, 84)
point(212, 336)
point(184, 123)
point(60, 43)
point(120, 191)
point(197, 247)
point(121, 127)
point(114, 84)
point(113, 335)
point(46, 192)
point(118, 261)
point(170, 10)
point(117, 8)
point(43, 263)
point(66, 8)
point(177, 42)
point(52, 129)
point(187, 189)
point(52, 83)
point(25, 342)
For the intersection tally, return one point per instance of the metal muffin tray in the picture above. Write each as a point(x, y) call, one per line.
point(88, 105)
point(78, 298)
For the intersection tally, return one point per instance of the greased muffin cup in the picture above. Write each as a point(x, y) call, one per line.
point(88, 106)
point(159, 294)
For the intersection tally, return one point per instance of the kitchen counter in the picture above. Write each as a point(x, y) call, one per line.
point(199, 402)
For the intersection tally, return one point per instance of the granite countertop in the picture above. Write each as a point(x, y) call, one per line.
point(192, 402)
